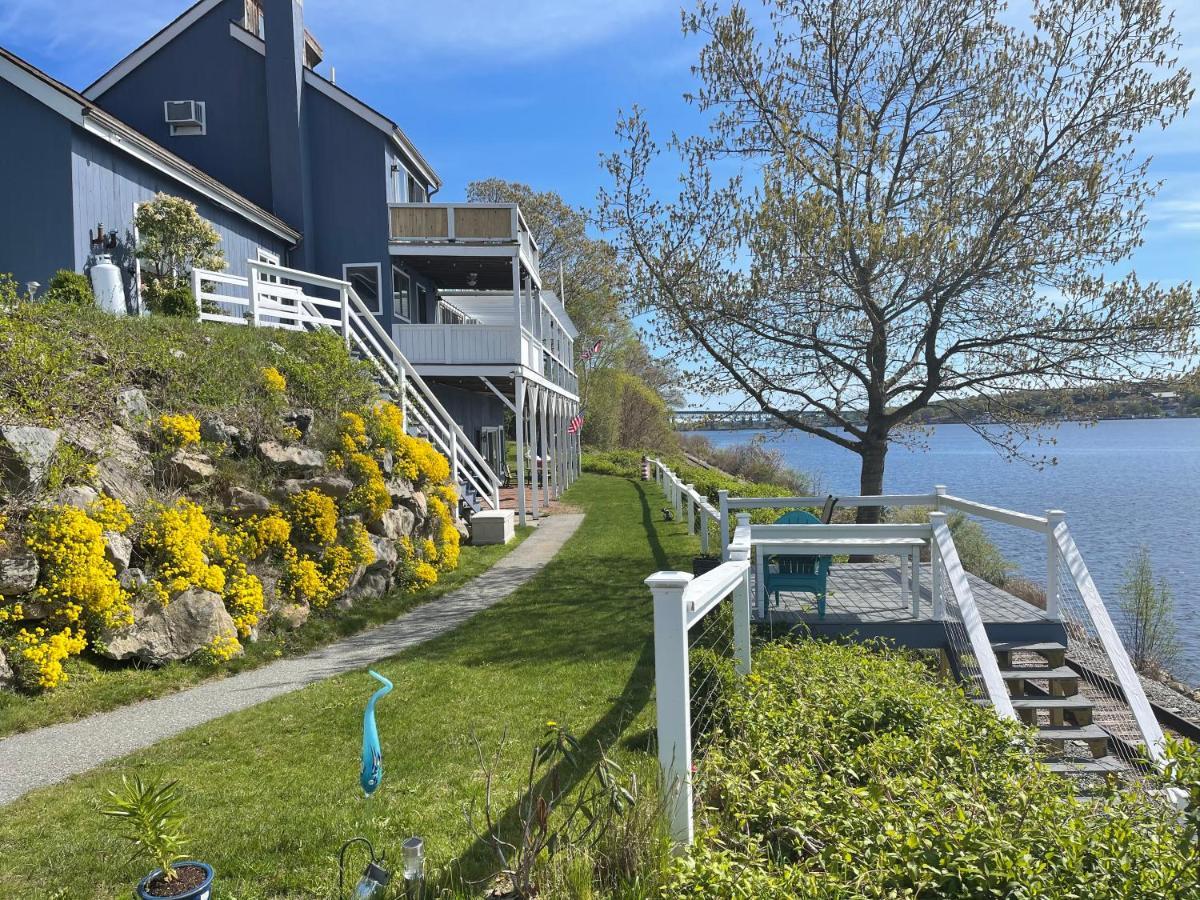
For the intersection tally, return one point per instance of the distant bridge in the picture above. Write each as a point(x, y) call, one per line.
point(736, 419)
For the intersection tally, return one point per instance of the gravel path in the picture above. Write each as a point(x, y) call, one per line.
point(50, 755)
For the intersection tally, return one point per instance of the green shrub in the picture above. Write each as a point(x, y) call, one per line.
point(169, 300)
point(71, 288)
point(852, 771)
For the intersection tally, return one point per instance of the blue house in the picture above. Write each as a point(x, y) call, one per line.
point(307, 179)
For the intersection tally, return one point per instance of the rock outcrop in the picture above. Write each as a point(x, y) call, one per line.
point(332, 485)
point(26, 452)
point(123, 468)
point(184, 468)
point(189, 623)
point(300, 462)
point(18, 571)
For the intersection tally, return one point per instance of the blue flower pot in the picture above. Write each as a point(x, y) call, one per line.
point(202, 891)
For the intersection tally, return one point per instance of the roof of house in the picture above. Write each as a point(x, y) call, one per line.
point(82, 112)
point(197, 11)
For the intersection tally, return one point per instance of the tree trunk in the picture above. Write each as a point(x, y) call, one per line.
point(870, 483)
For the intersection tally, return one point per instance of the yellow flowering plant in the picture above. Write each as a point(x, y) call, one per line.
point(176, 431)
point(178, 537)
point(314, 517)
point(38, 656)
point(273, 381)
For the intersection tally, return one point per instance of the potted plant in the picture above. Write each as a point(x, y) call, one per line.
point(154, 826)
point(706, 562)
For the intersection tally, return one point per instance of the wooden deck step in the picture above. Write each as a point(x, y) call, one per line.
point(1093, 735)
point(1101, 766)
point(1077, 707)
point(1064, 681)
point(1053, 652)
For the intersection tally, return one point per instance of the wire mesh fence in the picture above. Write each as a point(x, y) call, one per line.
point(960, 655)
point(711, 670)
point(1098, 679)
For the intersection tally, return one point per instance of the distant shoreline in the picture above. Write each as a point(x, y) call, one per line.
point(717, 426)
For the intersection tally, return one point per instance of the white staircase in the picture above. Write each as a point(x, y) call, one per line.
point(274, 296)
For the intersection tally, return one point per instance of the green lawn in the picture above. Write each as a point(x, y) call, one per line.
point(97, 684)
point(273, 790)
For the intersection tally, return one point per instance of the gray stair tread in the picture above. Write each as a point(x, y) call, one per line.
point(1076, 701)
point(1030, 646)
point(1104, 764)
point(1035, 674)
point(1072, 733)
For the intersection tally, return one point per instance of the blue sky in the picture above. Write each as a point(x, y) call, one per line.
point(529, 90)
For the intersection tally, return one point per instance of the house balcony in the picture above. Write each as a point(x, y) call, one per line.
point(465, 246)
point(483, 350)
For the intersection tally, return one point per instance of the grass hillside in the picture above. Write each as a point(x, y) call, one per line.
point(61, 363)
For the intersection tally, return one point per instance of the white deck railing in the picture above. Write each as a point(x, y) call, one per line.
point(273, 296)
point(1095, 651)
point(681, 603)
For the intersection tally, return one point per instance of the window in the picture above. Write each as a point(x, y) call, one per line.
point(254, 19)
point(401, 294)
point(365, 278)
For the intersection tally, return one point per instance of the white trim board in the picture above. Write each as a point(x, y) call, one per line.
point(242, 36)
point(186, 20)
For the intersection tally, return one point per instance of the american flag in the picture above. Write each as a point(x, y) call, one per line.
point(576, 424)
point(588, 354)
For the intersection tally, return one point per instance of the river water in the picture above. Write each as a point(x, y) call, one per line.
point(1122, 483)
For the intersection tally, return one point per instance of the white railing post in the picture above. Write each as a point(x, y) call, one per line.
point(691, 507)
point(741, 612)
point(196, 294)
point(454, 458)
point(677, 496)
point(704, 523)
point(252, 300)
point(672, 700)
point(723, 536)
point(345, 298)
point(936, 520)
point(1054, 517)
point(939, 491)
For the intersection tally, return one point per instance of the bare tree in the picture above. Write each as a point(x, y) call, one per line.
point(902, 201)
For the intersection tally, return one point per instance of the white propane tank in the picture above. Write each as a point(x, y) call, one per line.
point(108, 286)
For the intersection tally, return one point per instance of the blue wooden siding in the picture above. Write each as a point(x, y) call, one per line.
point(35, 190)
point(206, 63)
point(472, 411)
point(107, 185)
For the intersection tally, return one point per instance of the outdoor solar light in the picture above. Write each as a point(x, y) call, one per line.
point(374, 877)
point(412, 853)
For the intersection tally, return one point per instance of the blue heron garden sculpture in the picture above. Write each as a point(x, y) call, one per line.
point(372, 753)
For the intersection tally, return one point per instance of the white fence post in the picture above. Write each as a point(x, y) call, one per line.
point(936, 519)
point(196, 294)
point(691, 507)
point(723, 536)
point(1053, 518)
point(252, 300)
point(677, 496)
point(672, 702)
point(703, 531)
point(940, 491)
point(345, 297)
point(741, 613)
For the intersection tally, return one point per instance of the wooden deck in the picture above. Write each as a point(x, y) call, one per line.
point(865, 601)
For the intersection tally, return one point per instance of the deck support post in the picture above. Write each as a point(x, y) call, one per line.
point(723, 536)
point(936, 519)
point(1054, 517)
point(535, 398)
point(545, 445)
point(519, 386)
point(672, 702)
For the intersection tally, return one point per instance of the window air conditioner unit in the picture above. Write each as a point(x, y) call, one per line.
point(185, 113)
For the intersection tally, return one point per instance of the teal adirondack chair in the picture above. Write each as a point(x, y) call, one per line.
point(798, 574)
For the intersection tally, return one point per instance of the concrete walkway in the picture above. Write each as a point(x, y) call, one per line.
point(50, 755)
